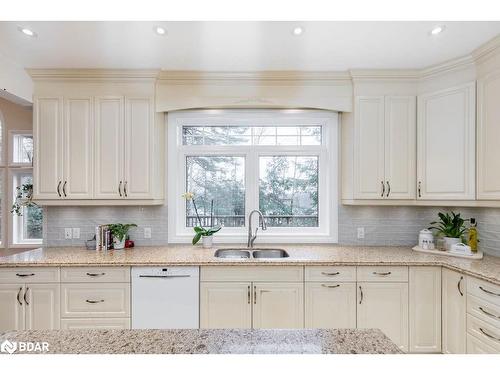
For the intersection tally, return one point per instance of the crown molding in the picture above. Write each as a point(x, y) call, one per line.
point(459, 63)
point(487, 50)
point(359, 75)
point(93, 74)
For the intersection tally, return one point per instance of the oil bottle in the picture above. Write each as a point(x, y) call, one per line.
point(473, 235)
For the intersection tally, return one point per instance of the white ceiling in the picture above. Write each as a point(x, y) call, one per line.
point(241, 46)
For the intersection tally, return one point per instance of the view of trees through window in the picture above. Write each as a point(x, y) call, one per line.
point(32, 219)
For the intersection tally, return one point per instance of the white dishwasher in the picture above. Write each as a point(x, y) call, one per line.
point(165, 297)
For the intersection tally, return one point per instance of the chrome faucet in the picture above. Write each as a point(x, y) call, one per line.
point(252, 236)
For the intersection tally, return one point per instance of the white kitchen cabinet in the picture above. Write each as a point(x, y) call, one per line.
point(446, 144)
point(225, 305)
point(477, 346)
point(384, 147)
point(425, 309)
point(278, 305)
point(453, 312)
point(48, 142)
point(11, 307)
point(96, 323)
point(384, 305)
point(488, 134)
point(330, 305)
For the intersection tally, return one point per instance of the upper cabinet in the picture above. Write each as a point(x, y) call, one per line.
point(97, 148)
point(488, 134)
point(384, 147)
point(446, 144)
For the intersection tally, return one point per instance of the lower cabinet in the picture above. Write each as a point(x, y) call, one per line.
point(330, 305)
point(96, 323)
point(384, 305)
point(454, 315)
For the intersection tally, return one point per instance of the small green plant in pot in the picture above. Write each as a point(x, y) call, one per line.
point(206, 234)
point(451, 227)
point(119, 232)
point(24, 198)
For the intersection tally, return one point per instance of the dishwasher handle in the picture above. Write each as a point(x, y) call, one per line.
point(163, 276)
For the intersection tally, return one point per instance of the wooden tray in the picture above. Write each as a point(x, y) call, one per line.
point(478, 255)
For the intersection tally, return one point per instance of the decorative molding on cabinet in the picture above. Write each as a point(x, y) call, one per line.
point(412, 202)
point(93, 74)
point(487, 50)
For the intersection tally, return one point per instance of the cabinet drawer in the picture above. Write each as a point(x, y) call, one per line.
point(96, 323)
point(95, 300)
point(484, 290)
point(483, 331)
point(382, 273)
point(476, 346)
point(95, 274)
point(252, 273)
point(327, 273)
point(29, 275)
point(484, 310)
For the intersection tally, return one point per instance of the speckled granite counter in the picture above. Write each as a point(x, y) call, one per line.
point(487, 269)
point(229, 341)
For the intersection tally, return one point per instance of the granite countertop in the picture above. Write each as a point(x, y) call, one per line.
point(487, 268)
point(210, 341)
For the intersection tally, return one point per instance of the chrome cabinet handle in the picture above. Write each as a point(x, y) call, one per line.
point(488, 334)
point(64, 188)
point(19, 295)
point(361, 295)
point(388, 188)
point(382, 273)
point(248, 294)
point(488, 313)
point(120, 189)
point(330, 286)
point(96, 274)
point(25, 294)
point(58, 189)
point(383, 189)
point(254, 295)
point(125, 189)
point(25, 274)
point(459, 286)
point(489, 292)
point(330, 273)
point(420, 189)
point(94, 301)
point(163, 276)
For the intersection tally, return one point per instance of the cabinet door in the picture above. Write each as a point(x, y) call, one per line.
point(78, 149)
point(400, 147)
point(385, 306)
point(488, 134)
point(139, 126)
point(42, 306)
point(454, 312)
point(47, 131)
point(446, 144)
point(225, 305)
point(109, 148)
point(425, 309)
point(11, 307)
point(369, 147)
point(330, 305)
point(278, 305)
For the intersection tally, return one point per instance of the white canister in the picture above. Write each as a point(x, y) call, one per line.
point(425, 234)
point(460, 248)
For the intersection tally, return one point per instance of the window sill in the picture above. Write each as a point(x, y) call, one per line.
point(261, 238)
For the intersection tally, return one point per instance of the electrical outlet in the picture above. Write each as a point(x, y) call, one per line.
point(361, 233)
point(147, 232)
point(76, 232)
point(68, 234)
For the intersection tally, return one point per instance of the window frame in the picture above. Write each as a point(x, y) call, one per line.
point(328, 169)
point(12, 134)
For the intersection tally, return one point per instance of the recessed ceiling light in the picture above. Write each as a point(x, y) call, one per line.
point(297, 30)
point(437, 30)
point(27, 31)
point(160, 30)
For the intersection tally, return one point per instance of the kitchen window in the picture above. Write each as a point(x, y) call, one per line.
point(282, 162)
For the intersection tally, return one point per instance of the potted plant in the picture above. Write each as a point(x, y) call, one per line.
point(206, 234)
point(119, 232)
point(451, 227)
point(24, 198)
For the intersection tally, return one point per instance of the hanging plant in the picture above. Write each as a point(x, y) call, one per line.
point(24, 198)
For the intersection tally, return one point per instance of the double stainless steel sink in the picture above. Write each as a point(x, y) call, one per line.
point(251, 253)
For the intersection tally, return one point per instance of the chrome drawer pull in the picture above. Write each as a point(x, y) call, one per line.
point(163, 276)
point(330, 286)
point(96, 274)
point(330, 273)
point(488, 335)
point(488, 313)
point(382, 273)
point(25, 274)
point(489, 292)
point(94, 301)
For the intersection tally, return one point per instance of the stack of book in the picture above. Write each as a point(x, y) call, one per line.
point(103, 237)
